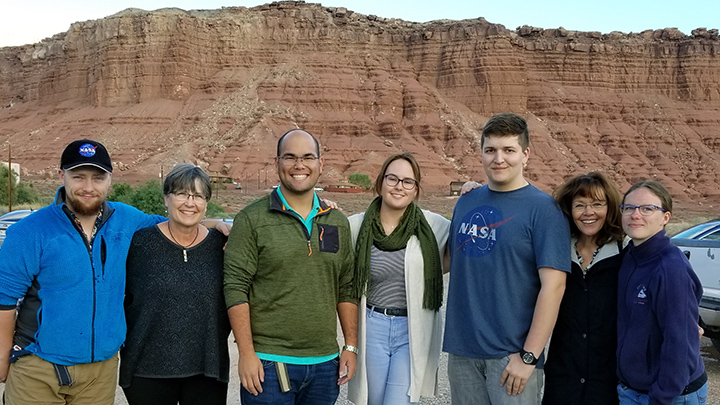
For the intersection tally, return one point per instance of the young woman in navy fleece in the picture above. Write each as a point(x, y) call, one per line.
point(658, 352)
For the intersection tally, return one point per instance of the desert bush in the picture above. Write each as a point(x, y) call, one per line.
point(361, 179)
point(121, 192)
point(148, 197)
point(22, 193)
point(215, 211)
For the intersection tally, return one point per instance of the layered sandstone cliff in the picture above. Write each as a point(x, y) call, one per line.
point(217, 87)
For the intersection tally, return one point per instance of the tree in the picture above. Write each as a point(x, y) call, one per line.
point(22, 193)
point(361, 179)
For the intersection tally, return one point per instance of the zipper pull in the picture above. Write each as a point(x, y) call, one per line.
point(309, 249)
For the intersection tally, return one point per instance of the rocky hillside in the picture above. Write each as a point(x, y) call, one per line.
point(217, 88)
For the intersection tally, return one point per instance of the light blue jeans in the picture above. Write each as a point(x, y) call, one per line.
point(629, 396)
point(477, 382)
point(387, 358)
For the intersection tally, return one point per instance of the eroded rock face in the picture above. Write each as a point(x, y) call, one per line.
point(218, 87)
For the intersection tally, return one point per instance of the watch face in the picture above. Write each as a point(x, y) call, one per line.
point(528, 358)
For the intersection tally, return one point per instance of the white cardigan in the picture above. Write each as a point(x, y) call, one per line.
point(424, 326)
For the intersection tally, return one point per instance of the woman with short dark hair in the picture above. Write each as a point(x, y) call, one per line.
point(176, 347)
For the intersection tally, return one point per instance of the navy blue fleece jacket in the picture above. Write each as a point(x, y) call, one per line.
point(658, 341)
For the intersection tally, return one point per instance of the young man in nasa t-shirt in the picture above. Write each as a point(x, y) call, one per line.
point(510, 251)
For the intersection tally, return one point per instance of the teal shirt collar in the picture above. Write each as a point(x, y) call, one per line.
point(315, 209)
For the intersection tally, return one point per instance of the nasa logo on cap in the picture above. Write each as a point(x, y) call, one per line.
point(87, 150)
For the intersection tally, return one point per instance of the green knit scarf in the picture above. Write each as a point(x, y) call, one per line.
point(413, 222)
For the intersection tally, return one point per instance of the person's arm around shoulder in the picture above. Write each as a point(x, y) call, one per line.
point(469, 186)
point(7, 331)
point(220, 225)
point(547, 306)
point(250, 369)
point(348, 314)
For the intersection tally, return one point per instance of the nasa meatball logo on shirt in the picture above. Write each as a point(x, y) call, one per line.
point(478, 231)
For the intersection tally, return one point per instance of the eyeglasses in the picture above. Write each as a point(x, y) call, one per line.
point(407, 183)
point(645, 209)
point(182, 197)
point(595, 206)
point(290, 160)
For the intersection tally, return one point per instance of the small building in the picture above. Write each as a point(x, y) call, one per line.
point(344, 188)
point(455, 187)
point(218, 179)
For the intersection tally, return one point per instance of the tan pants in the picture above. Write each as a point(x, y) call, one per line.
point(32, 380)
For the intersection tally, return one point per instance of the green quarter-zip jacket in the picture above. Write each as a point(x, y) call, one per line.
point(292, 280)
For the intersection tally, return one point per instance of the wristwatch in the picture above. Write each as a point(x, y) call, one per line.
point(528, 357)
point(351, 348)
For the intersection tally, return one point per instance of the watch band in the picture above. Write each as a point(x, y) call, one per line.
point(351, 348)
point(528, 357)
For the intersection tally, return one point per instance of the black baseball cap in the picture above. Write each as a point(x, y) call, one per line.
point(85, 152)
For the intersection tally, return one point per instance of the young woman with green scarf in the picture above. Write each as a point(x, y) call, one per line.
point(399, 250)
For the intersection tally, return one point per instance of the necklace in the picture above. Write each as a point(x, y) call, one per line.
point(581, 260)
point(197, 232)
point(392, 227)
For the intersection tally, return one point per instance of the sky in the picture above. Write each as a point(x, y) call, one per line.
point(29, 21)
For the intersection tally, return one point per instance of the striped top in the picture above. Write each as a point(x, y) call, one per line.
point(387, 279)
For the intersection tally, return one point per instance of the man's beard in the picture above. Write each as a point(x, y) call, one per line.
point(80, 208)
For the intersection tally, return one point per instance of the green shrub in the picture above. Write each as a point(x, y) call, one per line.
point(121, 192)
point(148, 198)
point(361, 179)
point(22, 193)
point(215, 211)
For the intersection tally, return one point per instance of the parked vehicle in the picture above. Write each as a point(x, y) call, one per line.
point(701, 244)
point(9, 219)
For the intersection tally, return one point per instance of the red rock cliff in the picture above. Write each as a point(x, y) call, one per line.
point(218, 87)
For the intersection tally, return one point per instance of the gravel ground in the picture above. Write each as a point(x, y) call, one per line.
point(711, 358)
